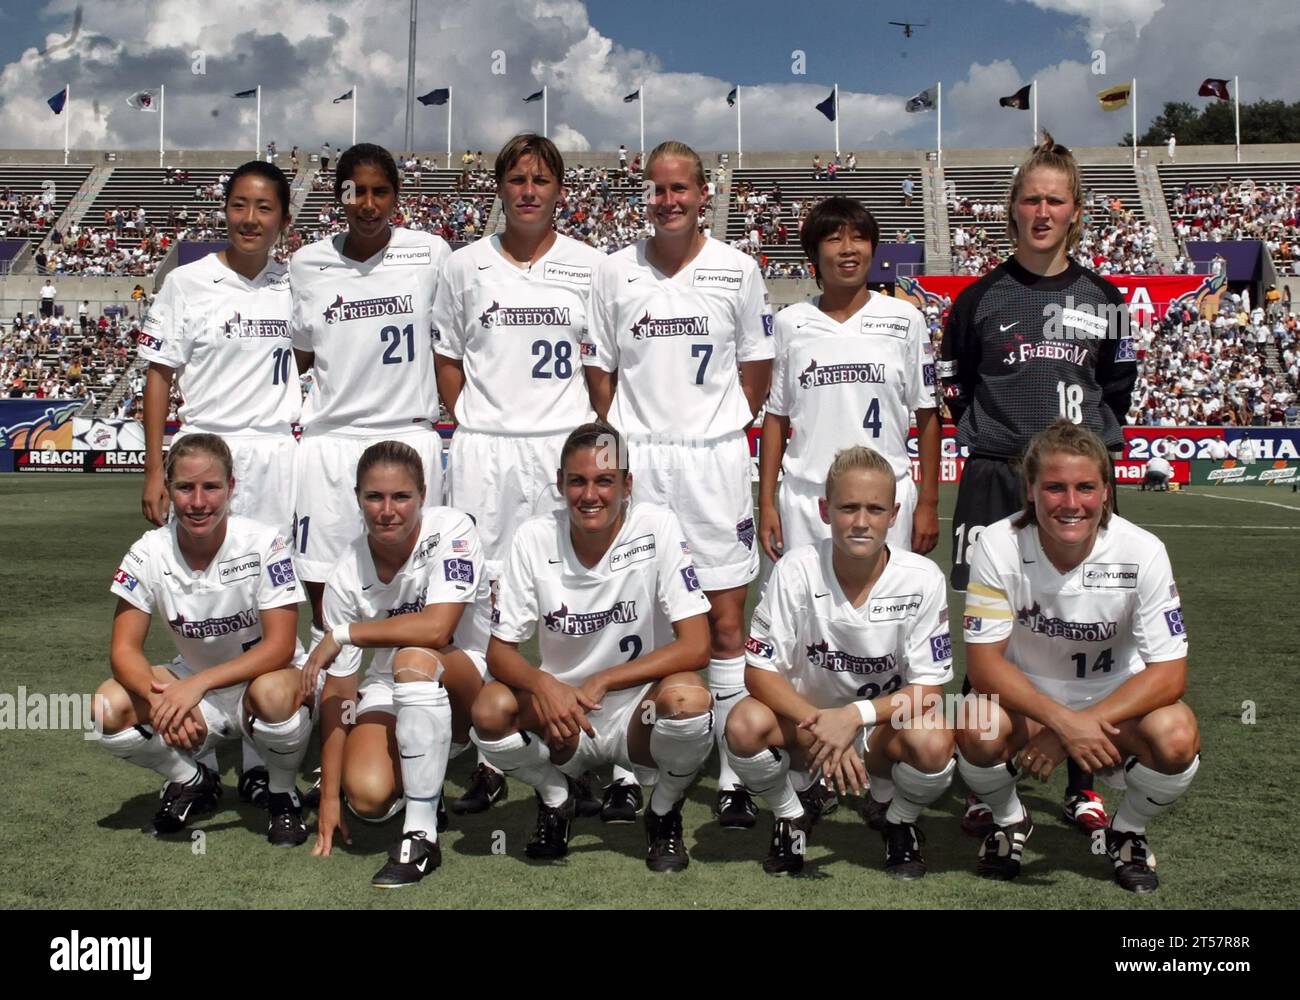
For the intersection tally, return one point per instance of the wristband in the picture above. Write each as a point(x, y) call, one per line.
point(868, 713)
point(342, 634)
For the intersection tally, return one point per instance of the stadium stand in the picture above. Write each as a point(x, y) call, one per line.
point(64, 358)
point(603, 207)
point(32, 198)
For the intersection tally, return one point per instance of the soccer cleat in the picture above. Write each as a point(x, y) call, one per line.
point(486, 787)
point(817, 801)
point(286, 827)
point(585, 803)
point(978, 820)
point(413, 858)
point(873, 813)
point(182, 802)
point(311, 800)
point(736, 809)
point(786, 852)
point(1086, 811)
point(1135, 863)
point(665, 848)
point(551, 838)
point(621, 804)
point(903, 857)
point(999, 855)
point(254, 786)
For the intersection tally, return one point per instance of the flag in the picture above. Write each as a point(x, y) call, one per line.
point(1215, 88)
point(58, 100)
point(345, 97)
point(143, 100)
point(924, 101)
point(634, 96)
point(731, 98)
point(1114, 98)
point(1019, 100)
point(440, 96)
point(246, 93)
point(534, 97)
point(827, 107)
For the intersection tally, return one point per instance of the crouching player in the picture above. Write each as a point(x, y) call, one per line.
point(624, 631)
point(850, 631)
point(1073, 623)
point(408, 588)
point(226, 588)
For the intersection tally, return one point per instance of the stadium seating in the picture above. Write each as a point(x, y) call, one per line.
point(37, 196)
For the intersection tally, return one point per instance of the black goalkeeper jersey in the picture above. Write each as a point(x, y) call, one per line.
point(1021, 350)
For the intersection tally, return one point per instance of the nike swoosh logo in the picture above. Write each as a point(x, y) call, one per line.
point(421, 865)
point(1028, 562)
point(630, 280)
point(800, 326)
point(726, 697)
point(484, 267)
point(674, 774)
point(409, 756)
point(1155, 803)
point(1004, 329)
point(217, 281)
point(367, 586)
point(827, 594)
point(553, 562)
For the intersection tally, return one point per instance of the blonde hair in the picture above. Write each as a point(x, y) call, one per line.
point(1064, 438)
point(1048, 154)
point(195, 444)
point(673, 148)
point(858, 457)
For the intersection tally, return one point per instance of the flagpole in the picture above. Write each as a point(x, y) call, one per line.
point(1033, 101)
point(450, 94)
point(740, 152)
point(355, 98)
point(410, 81)
point(544, 110)
point(257, 141)
point(640, 104)
point(837, 119)
point(1133, 103)
point(67, 113)
point(1236, 114)
point(938, 124)
point(162, 118)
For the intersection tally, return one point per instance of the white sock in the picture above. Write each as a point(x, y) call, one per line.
point(1149, 794)
point(208, 758)
point(525, 757)
point(152, 753)
point(996, 787)
point(881, 789)
point(727, 683)
point(285, 745)
point(424, 744)
point(622, 776)
point(487, 763)
point(801, 781)
point(916, 790)
point(251, 757)
point(679, 747)
point(767, 775)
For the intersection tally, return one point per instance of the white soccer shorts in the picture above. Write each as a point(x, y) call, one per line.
point(376, 692)
point(610, 745)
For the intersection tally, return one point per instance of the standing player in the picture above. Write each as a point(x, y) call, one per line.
point(510, 316)
point(846, 352)
point(850, 630)
point(362, 315)
point(220, 329)
point(225, 586)
point(624, 634)
point(1073, 622)
point(672, 318)
point(408, 588)
point(1037, 338)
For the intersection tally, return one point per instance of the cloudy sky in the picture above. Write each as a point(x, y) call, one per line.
point(590, 54)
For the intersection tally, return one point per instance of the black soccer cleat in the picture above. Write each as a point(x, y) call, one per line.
point(413, 858)
point(255, 786)
point(665, 846)
point(903, 857)
point(551, 838)
point(786, 851)
point(817, 801)
point(286, 827)
point(736, 809)
point(585, 803)
point(999, 855)
point(486, 787)
point(873, 813)
point(1135, 862)
point(621, 804)
point(182, 802)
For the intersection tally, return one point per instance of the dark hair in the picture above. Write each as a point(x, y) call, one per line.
point(269, 171)
point(529, 144)
point(192, 444)
point(391, 453)
point(365, 152)
point(600, 435)
point(1064, 437)
point(827, 218)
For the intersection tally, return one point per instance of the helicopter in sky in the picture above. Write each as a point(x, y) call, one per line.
point(909, 26)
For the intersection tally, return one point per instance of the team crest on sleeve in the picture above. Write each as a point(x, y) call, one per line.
point(281, 573)
point(928, 371)
point(460, 546)
point(972, 623)
point(769, 324)
point(759, 648)
point(587, 349)
point(458, 570)
point(1126, 350)
point(1174, 622)
point(125, 579)
point(745, 532)
point(941, 648)
point(691, 580)
point(144, 339)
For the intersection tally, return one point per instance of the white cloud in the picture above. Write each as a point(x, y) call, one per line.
point(1105, 16)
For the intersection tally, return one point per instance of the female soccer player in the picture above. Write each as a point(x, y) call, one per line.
point(1073, 622)
point(409, 587)
point(846, 352)
point(624, 635)
point(850, 630)
point(362, 315)
point(510, 317)
point(672, 318)
point(226, 588)
point(1037, 338)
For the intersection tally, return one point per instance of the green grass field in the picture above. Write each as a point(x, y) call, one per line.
point(73, 815)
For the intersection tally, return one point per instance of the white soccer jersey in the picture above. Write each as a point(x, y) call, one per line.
point(518, 333)
point(852, 383)
point(1078, 635)
point(832, 653)
point(369, 324)
point(593, 619)
point(675, 342)
point(446, 567)
point(214, 615)
point(228, 340)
